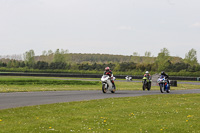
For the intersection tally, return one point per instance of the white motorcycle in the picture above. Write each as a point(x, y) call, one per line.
point(107, 84)
point(128, 78)
point(164, 86)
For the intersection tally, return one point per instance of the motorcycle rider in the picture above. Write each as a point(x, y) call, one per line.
point(109, 73)
point(147, 75)
point(166, 76)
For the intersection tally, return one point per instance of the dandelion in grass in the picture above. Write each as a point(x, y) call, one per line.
point(189, 116)
point(131, 114)
point(89, 128)
point(161, 129)
point(50, 127)
point(104, 121)
point(186, 120)
point(1, 120)
point(109, 129)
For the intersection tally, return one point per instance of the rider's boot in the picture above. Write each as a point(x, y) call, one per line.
point(113, 83)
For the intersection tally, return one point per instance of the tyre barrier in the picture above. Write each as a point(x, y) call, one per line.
point(183, 78)
point(173, 83)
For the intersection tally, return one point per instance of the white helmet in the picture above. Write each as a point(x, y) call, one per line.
point(147, 72)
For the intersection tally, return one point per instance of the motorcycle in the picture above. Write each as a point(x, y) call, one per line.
point(107, 84)
point(128, 78)
point(164, 85)
point(146, 84)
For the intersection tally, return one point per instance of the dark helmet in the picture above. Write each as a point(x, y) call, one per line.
point(162, 73)
point(107, 69)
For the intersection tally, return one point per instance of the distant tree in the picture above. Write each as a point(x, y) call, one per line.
point(117, 67)
point(191, 57)
point(29, 58)
point(136, 54)
point(141, 67)
point(41, 65)
point(163, 59)
point(15, 63)
point(22, 64)
point(49, 52)
point(164, 52)
point(44, 53)
point(9, 64)
point(147, 54)
point(136, 58)
point(59, 56)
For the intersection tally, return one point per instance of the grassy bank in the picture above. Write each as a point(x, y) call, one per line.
point(154, 114)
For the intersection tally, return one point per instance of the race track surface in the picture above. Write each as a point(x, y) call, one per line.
point(20, 99)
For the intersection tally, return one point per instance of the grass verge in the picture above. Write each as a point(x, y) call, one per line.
point(41, 81)
point(26, 84)
point(155, 113)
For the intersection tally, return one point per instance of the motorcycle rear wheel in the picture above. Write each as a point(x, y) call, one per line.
point(168, 91)
point(149, 86)
point(104, 89)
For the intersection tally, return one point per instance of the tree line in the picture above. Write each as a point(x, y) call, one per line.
point(61, 59)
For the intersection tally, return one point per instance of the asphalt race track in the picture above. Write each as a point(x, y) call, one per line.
point(20, 99)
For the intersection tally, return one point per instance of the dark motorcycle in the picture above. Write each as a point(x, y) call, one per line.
point(146, 84)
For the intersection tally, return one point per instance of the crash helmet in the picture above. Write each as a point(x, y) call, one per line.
point(162, 73)
point(107, 69)
point(147, 72)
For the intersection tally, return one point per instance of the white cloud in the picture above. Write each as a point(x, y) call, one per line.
point(125, 28)
point(197, 24)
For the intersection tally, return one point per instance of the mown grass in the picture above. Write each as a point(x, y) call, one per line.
point(154, 114)
point(41, 81)
point(26, 84)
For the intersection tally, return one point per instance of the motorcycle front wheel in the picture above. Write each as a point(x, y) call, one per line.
point(104, 89)
point(161, 88)
point(143, 86)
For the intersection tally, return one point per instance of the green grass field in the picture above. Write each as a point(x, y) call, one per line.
point(26, 84)
point(155, 114)
point(152, 114)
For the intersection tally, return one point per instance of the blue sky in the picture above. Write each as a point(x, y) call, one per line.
point(100, 26)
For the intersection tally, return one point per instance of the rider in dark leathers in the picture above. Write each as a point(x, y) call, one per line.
point(165, 75)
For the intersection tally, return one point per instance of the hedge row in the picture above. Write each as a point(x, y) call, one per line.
point(133, 72)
